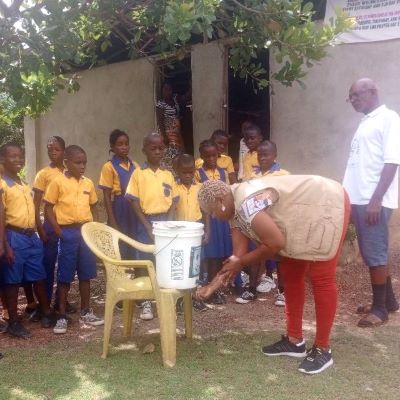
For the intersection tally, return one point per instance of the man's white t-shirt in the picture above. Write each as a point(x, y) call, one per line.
point(375, 143)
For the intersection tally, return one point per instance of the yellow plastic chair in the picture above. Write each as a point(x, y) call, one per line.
point(103, 241)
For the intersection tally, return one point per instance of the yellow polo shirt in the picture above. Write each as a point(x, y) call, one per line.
point(44, 177)
point(187, 207)
point(250, 165)
point(71, 198)
point(152, 189)
point(109, 178)
point(19, 209)
point(213, 175)
point(223, 161)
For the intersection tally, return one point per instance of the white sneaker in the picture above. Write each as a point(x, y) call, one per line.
point(90, 319)
point(266, 285)
point(280, 299)
point(147, 312)
point(61, 326)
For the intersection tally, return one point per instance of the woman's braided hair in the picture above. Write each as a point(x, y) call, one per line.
point(210, 191)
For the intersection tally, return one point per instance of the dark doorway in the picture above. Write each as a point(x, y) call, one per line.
point(246, 103)
point(179, 74)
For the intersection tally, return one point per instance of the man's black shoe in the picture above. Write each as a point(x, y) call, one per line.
point(16, 329)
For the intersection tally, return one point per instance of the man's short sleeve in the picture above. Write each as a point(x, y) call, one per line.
point(391, 140)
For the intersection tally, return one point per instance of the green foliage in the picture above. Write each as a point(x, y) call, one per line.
point(44, 43)
point(10, 121)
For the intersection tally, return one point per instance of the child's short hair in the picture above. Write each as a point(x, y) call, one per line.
point(56, 139)
point(206, 143)
point(115, 134)
point(269, 144)
point(184, 160)
point(6, 146)
point(253, 127)
point(150, 137)
point(73, 149)
point(218, 133)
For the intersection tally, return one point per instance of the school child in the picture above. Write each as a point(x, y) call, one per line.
point(266, 155)
point(221, 139)
point(70, 201)
point(114, 179)
point(150, 193)
point(55, 152)
point(187, 207)
point(219, 245)
point(252, 138)
point(23, 248)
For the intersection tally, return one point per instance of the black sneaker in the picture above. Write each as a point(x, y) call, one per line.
point(199, 305)
point(246, 297)
point(48, 321)
point(317, 360)
point(16, 329)
point(285, 348)
point(217, 298)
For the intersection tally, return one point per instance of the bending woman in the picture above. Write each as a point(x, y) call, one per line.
point(303, 218)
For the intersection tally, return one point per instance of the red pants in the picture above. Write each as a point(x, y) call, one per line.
point(323, 280)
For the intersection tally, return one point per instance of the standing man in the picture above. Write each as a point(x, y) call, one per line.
point(371, 180)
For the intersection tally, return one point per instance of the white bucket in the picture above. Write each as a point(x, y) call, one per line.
point(178, 253)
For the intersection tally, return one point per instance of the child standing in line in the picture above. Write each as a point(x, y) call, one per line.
point(221, 139)
point(70, 202)
point(150, 192)
point(23, 248)
point(187, 207)
point(114, 179)
point(219, 245)
point(252, 138)
point(55, 151)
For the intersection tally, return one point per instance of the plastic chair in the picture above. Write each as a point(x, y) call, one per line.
point(103, 241)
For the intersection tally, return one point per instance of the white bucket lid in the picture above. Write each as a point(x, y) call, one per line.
point(178, 225)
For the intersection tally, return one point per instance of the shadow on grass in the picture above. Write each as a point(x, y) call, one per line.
point(230, 366)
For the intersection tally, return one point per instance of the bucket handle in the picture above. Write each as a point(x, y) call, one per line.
point(164, 247)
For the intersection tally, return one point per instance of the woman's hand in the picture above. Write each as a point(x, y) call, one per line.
point(231, 267)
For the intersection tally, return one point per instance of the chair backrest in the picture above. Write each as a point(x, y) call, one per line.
point(103, 241)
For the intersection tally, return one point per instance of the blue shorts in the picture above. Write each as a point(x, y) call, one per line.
point(28, 264)
point(373, 240)
point(74, 257)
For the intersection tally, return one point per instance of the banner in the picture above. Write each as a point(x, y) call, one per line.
point(376, 19)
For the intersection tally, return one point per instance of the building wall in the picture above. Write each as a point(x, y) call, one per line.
point(313, 127)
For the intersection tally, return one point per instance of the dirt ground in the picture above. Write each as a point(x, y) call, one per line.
point(261, 315)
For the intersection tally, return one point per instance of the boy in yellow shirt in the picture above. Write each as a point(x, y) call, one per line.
point(252, 139)
point(23, 248)
point(150, 192)
point(70, 202)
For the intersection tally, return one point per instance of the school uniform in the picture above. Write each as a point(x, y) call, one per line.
point(223, 161)
point(50, 247)
point(275, 170)
point(153, 191)
point(21, 235)
point(250, 164)
point(72, 199)
point(187, 207)
point(220, 240)
point(115, 176)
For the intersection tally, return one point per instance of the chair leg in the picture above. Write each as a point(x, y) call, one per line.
point(167, 316)
point(188, 310)
point(127, 315)
point(108, 317)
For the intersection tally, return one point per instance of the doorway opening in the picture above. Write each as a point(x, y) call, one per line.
point(178, 73)
point(247, 104)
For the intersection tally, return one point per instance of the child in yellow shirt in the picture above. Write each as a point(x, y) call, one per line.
point(150, 192)
point(252, 139)
point(114, 179)
point(23, 248)
point(70, 202)
point(221, 139)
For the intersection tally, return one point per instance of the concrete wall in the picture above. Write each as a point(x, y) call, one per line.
point(313, 127)
point(115, 96)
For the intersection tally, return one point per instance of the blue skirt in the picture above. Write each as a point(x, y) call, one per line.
point(220, 240)
point(127, 222)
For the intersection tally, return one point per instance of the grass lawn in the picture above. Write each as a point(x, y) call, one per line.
point(224, 367)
